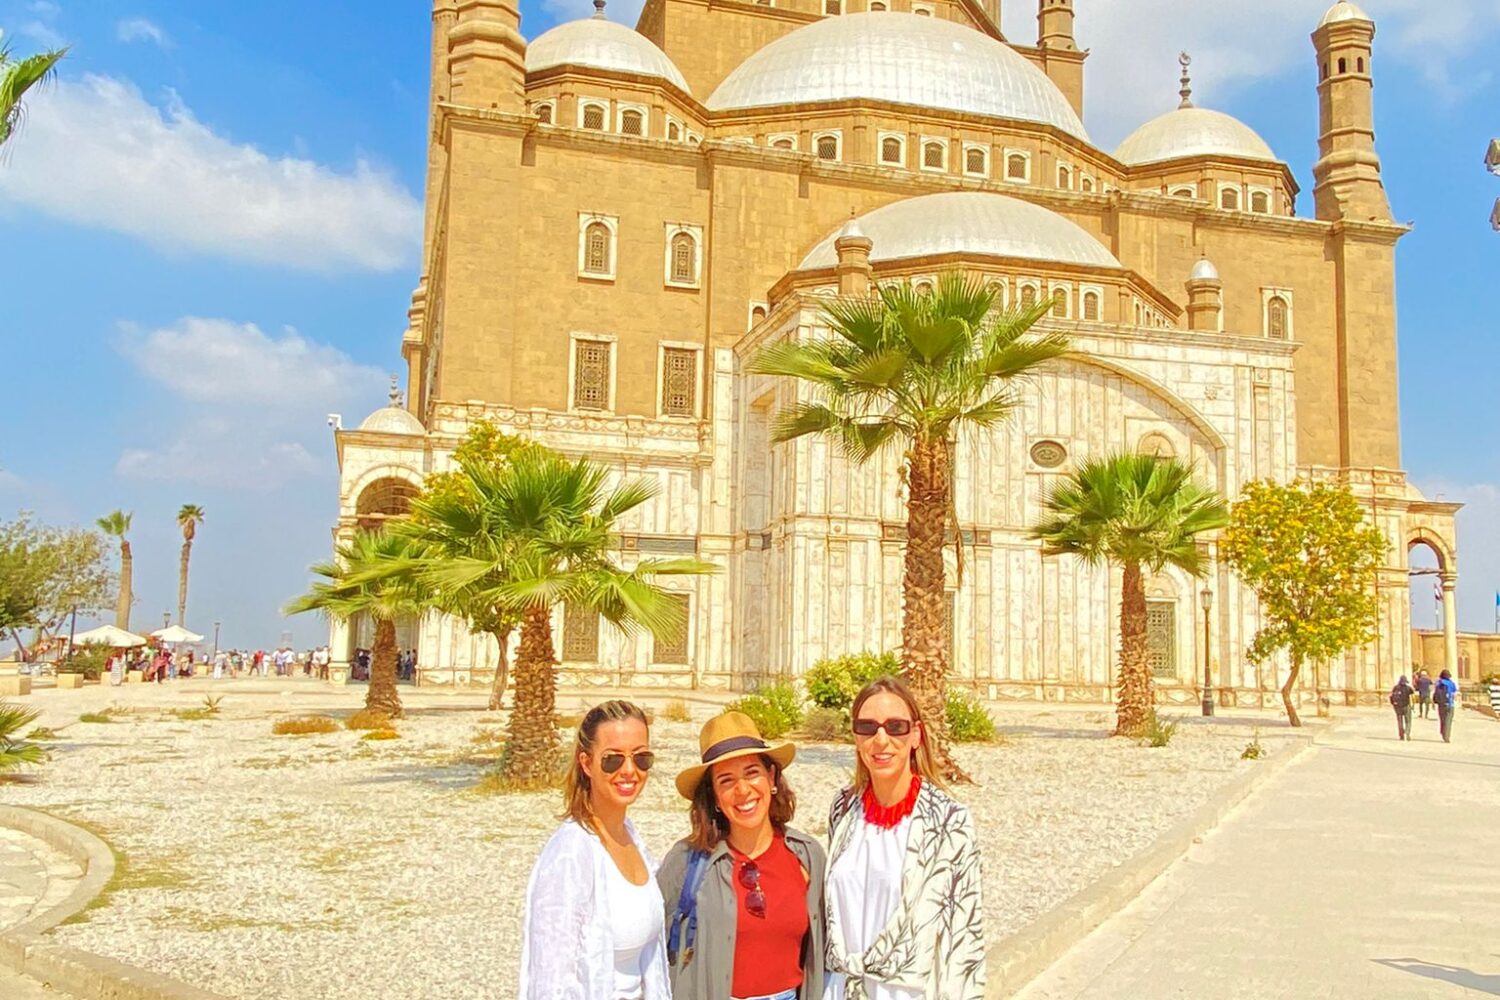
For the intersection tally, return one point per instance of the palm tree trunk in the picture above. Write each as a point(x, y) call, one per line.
point(122, 603)
point(502, 669)
point(1286, 692)
point(924, 639)
point(531, 750)
point(182, 578)
point(381, 695)
point(1133, 703)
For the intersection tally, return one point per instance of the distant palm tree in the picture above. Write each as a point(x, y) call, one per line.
point(1134, 511)
point(911, 369)
point(366, 578)
point(13, 752)
point(115, 524)
point(188, 519)
point(17, 76)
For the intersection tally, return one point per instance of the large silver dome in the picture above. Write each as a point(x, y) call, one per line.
point(1192, 132)
point(903, 58)
point(601, 44)
point(972, 222)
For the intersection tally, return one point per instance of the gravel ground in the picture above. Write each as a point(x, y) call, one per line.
point(323, 867)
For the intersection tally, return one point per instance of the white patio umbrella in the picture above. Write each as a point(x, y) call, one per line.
point(109, 635)
point(176, 633)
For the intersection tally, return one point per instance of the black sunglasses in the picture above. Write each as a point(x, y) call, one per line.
point(612, 762)
point(755, 897)
point(892, 727)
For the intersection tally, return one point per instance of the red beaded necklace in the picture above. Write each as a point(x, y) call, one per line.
point(886, 817)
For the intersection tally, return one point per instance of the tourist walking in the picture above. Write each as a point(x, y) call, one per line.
point(905, 920)
point(117, 669)
point(592, 928)
point(744, 891)
point(1445, 697)
point(1401, 696)
point(1424, 694)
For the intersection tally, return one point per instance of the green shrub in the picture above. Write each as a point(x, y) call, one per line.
point(775, 708)
point(100, 717)
point(833, 683)
point(86, 660)
point(1253, 750)
point(828, 725)
point(968, 722)
point(365, 719)
point(301, 725)
point(1158, 732)
point(676, 710)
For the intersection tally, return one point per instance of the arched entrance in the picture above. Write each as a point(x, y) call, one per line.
point(382, 500)
point(1434, 610)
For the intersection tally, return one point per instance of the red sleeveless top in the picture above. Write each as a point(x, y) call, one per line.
point(768, 949)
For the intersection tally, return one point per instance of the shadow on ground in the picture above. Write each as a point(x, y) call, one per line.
point(1457, 975)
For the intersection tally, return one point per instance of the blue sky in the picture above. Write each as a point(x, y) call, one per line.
point(213, 224)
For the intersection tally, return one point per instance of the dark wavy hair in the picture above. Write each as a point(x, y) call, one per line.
point(711, 826)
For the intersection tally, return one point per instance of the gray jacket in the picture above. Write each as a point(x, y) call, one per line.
point(710, 974)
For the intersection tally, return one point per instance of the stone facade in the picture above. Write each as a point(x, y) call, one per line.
point(608, 242)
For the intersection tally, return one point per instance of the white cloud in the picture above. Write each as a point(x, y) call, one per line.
point(1478, 554)
point(46, 8)
point(138, 29)
point(98, 153)
point(10, 482)
point(239, 408)
point(43, 34)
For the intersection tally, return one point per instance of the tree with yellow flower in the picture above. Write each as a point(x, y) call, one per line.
point(1310, 555)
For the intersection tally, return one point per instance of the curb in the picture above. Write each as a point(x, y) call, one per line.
point(1020, 957)
point(71, 970)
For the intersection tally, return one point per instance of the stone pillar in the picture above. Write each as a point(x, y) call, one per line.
point(1450, 623)
point(853, 248)
point(487, 56)
point(1205, 299)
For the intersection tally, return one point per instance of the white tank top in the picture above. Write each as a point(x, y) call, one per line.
point(635, 919)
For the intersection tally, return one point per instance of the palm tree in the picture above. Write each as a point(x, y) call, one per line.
point(1133, 511)
point(17, 76)
point(13, 752)
point(912, 369)
point(189, 516)
point(115, 524)
point(367, 577)
point(544, 535)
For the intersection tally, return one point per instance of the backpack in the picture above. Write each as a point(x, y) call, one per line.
point(683, 929)
point(1440, 693)
point(1401, 696)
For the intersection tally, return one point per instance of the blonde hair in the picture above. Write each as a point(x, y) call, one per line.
point(576, 786)
point(922, 762)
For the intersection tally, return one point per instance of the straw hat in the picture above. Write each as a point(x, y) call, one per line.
point(726, 737)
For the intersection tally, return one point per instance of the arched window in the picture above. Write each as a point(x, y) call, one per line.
point(921, 11)
point(832, 6)
point(1260, 202)
point(593, 117)
point(1360, 64)
point(1325, 70)
point(384, 498)
point(544, 113)
point(1091, 305)
point(1016, 167)
point(997, 289)
point(1087, 184)
point(632, 122)
point(785, 142)
point(877, 6)
point(828, 145)
point(596, 248)
point(1060, 302)
point(976, 161)
point(1276, 316)
point(1343, 66)
point(890, 150)
point(684, 259)
point(1229, 199)
point(922, 287)
point(934, 155)
point(757, 314)
point(1157, 445)
point(1064, 177)
point(674, 131)
point(1028, 297)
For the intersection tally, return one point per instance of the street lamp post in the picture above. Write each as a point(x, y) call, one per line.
point(216, 640)
point(1208, 692)
point(166, 619)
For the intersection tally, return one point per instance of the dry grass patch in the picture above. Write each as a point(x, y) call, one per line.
point(301, 725)
point(96, 717)
point(488, 737)
point(381, 734)
point(676, 710)
point(366, 719)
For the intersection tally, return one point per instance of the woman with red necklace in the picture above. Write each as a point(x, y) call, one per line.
point(904, 915)
point(744, 892)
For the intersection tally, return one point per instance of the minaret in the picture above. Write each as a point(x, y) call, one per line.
point(853, 248)
point(1054, 21)
point(1205, 298)
point(1058, 51)
point(487, 56)
point(1347, 173)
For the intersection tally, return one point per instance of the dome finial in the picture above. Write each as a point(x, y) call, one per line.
point(395, 393)
point(1185, 61)
point(598, 8)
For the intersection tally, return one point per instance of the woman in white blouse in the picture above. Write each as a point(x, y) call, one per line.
point(593, 925)
point(905, 920)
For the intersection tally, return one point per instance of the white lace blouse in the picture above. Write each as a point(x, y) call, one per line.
point(567, 943)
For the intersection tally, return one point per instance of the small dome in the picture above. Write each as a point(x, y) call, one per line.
point(971, 222)
point(1344, 11)
point(1192, 132)
point(903, 58)
point(393, 420)
point(599, 43)
point(1204, 270)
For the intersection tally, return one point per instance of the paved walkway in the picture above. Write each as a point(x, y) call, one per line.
point(1359, 872)
point(14, 987)
point(33, 877)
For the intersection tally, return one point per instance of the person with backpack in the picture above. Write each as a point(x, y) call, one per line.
point(592, 924)
point(744, 890)
point(1424, 694)
point(905, 919)
point(1445, 697)
point(1401, 696)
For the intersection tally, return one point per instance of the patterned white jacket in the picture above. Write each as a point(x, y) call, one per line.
point(935, 940)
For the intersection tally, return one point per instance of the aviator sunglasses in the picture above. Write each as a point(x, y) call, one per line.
point(755, 899)
point(612, 762)
point(892, 727)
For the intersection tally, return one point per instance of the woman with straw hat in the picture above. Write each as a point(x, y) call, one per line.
point(744, 892)
point(904, 915)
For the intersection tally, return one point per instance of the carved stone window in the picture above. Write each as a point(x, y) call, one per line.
point(1087, 185)
point(684, 259)
point(580, 642)
point(1049, 454)
point(1064, 177)
point(891, 151)
point(1260, 202)
point(544, 113)
point(934, 155)
point(1028, 296)
point(674, 649)
point(1157, 445)
point(785, 142)
point(596, 252)
point(1060, 302)
point(632, 122)
point(976, 161)
point(1091, 305)
point(593, 117)
point(591, 375)
point(828, 145)
point(1161, 638)
point(679, 382)
point(1276, 318)
point(674, 131)
point(1229, 199)
point(1017, 167)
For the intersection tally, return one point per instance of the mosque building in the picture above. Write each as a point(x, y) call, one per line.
point(618, 219)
